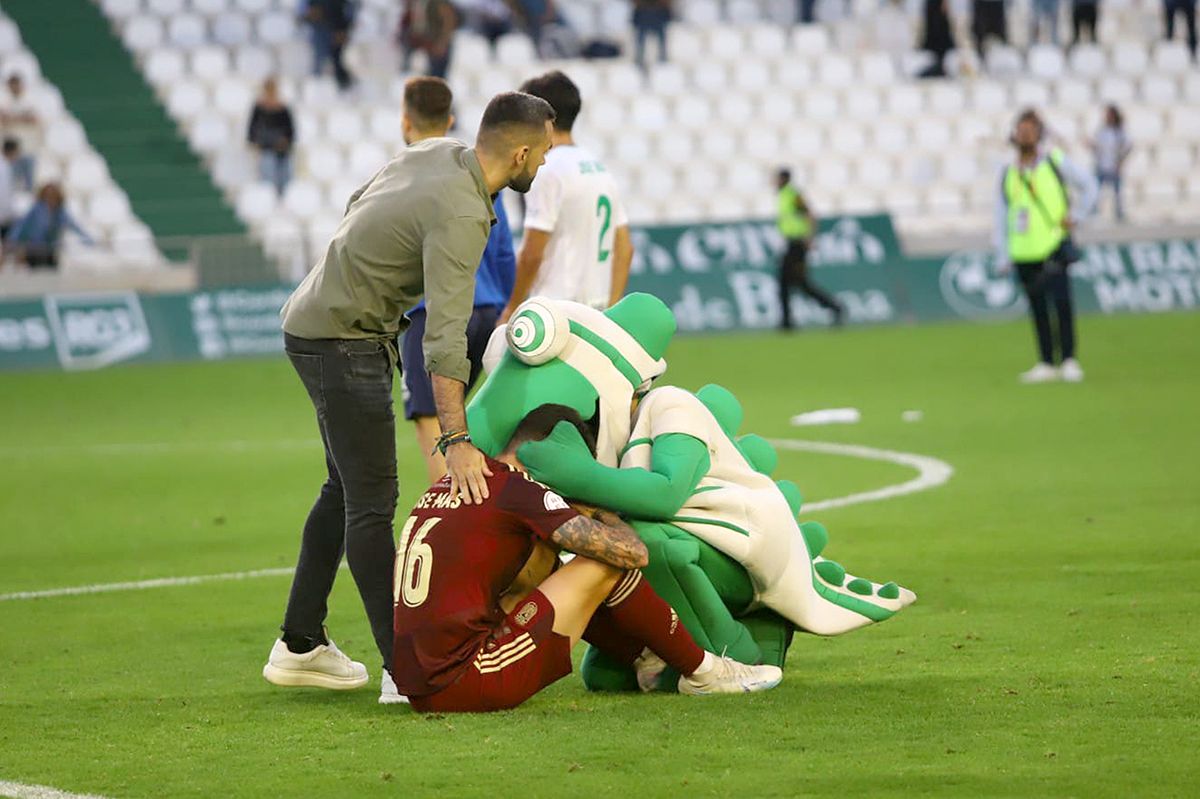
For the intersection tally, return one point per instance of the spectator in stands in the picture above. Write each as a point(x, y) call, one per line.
point(1111, 147)
point(1043, 196)
point(36, 238)
point(798, 227)
point(988, 19)
point(650, 18)
point(428, 26)
point(427, 115)
point(8, 185)
point(1083, 17)
point(937, 38)
point(535, 16)
point(806, 11)
point(1187, 8)
point(330, 22)
point(491, 19)
point(272, 132)
point(1043, 17)
point(19, 120)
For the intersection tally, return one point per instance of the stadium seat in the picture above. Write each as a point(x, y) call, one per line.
point(303, 199)
point(344, 125)
point(340, 192)
point(1130, 59)
point(163, 66)
point(86, 173)
point(795, 75)
point(650, 114)
point(810, 41)
point(186, 99)
point(1159, 90)
point(891, 136)
point(847, 139)
point(209, 63)
point(777, 109)
point(1174, 158)
point(1087, 60)
point(988, 96)
point(65, 139)
point(974, 131)
point(233, 166)
point(120, 10)
point(875, 170)
point(623, 79)
point(209, 133)
point(1184, 121)
point(142, 33)
point(325, 164)
point(752, 76)
point(515, 50)
point(282, 236)
point(253, 7)
point(724, 43)
point(366, 158)
point(232, 29)
point(1171, 58)
point(710, 77)
point(633, 147)
point(254, 63)
point(275, 27)
point(1114, 89)
point(836, 71)
point(947, 99)
point(904, 101)
point(610, 117)
point(877, 69)
point(700, 12)
point(10, 37)
point(685, 43)
point(767, 41)
point(666, 80)
point(1003, 61)
point(1144, 123)
point(656, 182)
point(109, 208)
point(165, 9)
point(821, 106)
point(234, 97)
point(385, 126)
point(677, 150)
point(719, 145)
point(1073, 93)
point(187, 31)
point(211, 8)
point(1028, 93)
point(960, 167)
point(701, 182)
point(1046, 62)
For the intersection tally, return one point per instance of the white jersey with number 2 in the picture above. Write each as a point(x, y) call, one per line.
point(574, 199)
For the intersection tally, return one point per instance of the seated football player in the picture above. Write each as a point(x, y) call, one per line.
point(457, 650)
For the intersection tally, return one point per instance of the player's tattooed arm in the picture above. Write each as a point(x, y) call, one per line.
point(604, 538)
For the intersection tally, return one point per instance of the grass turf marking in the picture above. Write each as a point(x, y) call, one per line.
point(18, 790)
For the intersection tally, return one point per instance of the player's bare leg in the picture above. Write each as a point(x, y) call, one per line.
point(575, 591)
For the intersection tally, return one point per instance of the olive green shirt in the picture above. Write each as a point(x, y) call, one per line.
point(418, 228)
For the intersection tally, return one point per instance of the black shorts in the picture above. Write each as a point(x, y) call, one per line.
point(417, 388)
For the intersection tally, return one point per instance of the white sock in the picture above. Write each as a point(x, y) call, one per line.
point(705, 666)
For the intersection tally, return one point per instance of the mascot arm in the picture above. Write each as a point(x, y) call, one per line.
point(563, 461)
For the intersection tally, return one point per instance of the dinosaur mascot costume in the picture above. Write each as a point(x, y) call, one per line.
point(726, 550)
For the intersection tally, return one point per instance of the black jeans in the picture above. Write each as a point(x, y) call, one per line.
point(350, 385)
point(1042, 284)
point(1188, 9)
point(1083, 17)
point(793, 274)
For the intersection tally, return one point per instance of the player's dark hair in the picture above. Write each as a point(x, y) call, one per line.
point(510, 112)
point(561, 93)
point(539, 422)
point(427, 102)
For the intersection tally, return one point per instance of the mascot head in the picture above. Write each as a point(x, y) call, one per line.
point(554, 351)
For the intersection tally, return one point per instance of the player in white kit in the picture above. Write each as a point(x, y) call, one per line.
point(576, 245)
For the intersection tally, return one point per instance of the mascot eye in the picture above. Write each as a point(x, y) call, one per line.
point(538, 332)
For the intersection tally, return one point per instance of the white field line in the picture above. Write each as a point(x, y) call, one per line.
point(19, 790)
point(931, 473)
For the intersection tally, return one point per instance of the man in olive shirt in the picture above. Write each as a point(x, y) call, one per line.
point(416, 229)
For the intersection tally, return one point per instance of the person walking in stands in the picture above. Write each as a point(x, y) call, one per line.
point(798, 226)
point(36, 238)
point(1034, 220)
point(650, 18)
point(1188, 9)
point(330, 21)
point(1111, 147)
point(1083, 17)
point(416, 230)
point(427, 115)
point(272, 132)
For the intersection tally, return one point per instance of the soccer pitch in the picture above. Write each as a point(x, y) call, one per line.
point(1053, 651)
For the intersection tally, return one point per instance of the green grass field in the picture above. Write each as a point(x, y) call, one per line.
point(1053, 652)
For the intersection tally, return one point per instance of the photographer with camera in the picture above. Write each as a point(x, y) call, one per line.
point(1034, 222)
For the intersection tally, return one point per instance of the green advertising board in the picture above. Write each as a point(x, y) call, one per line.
point(715, 277)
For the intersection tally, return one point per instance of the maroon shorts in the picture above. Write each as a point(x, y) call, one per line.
point(522, 656)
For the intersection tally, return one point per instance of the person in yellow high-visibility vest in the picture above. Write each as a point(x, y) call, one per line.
point(798, 226)
point(1033, 224)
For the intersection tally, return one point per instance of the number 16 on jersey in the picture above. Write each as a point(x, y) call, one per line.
point(414, 563)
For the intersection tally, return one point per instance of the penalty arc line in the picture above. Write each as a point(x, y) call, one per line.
point(931, 473)
point(18, 790)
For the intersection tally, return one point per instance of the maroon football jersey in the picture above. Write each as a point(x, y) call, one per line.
point(453, 563)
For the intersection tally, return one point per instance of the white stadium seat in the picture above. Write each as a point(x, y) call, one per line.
point(794, 74)
point(209, 133)
point(650, 114)
point(700, 12)
point(10, 37)
point(254, 63)
point(703, 181)
point(719, 145)
point(848, 140)
point(385, 126)
point(516, 50)
point(633, 147)
point(211, 8)
point(666, 80)
point(165, 8)
point(120, 9)
point(777, 109)
point(275, 27)
point(109, 208)
point(1114, 89)
point(187, 30)
point(163, 67)
point(252, 7)
point(751, 75)
point(1185, 121)
point(1030, 94)
point(209, 63)
point(256, 202)
point(1144, 123)
point(344, 126)
point(766, 41)
point(1004, 61)
point(947, 99)
point(1087, 60)
point(186, 99)
point(1046, 62)
point(1130, 59)
point(1160, 90)
point(1172, 58)
point(835, 70)
point(904, 101)
point(1174, 158)
point(303, 199)
point(142, 34)
point(366, 158)
point(810, 41)
point(1073, 93)
point(325, 164)
point(988, 96)
point(875, 169)
point(65, 139)
point(234, 97)
point(623, 79)
point(725, 43)
point(821, 105)
point(679, 149)
point(878, 69)
point(86, 173)
point(232, 29)
point(710, 77)
point(693, 112)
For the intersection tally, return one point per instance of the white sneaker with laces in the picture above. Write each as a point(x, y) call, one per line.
point(725, 675)
point(1072, 372)
point(649, 668)
point(388, 694)
point(324, 667)
point(1042, 373)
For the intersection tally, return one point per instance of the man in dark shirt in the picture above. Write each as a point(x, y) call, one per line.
point(468, 639)
point(417, 228)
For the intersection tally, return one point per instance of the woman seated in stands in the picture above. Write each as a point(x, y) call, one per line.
point(36, 237)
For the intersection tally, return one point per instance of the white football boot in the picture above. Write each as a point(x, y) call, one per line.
point(1072, 372)
point(723, 675)
point(1042, 373)
point(324, 667)
point(388, 694)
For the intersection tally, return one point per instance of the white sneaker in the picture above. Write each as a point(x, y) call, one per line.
point(324, 667)
point(1072, 372)
point(1042, 373)
point(727, 676)
point(649, 668)
point(388, 695)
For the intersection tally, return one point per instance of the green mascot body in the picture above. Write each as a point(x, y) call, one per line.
point(725, 548)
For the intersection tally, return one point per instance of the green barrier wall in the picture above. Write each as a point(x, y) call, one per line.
point(715, 277)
